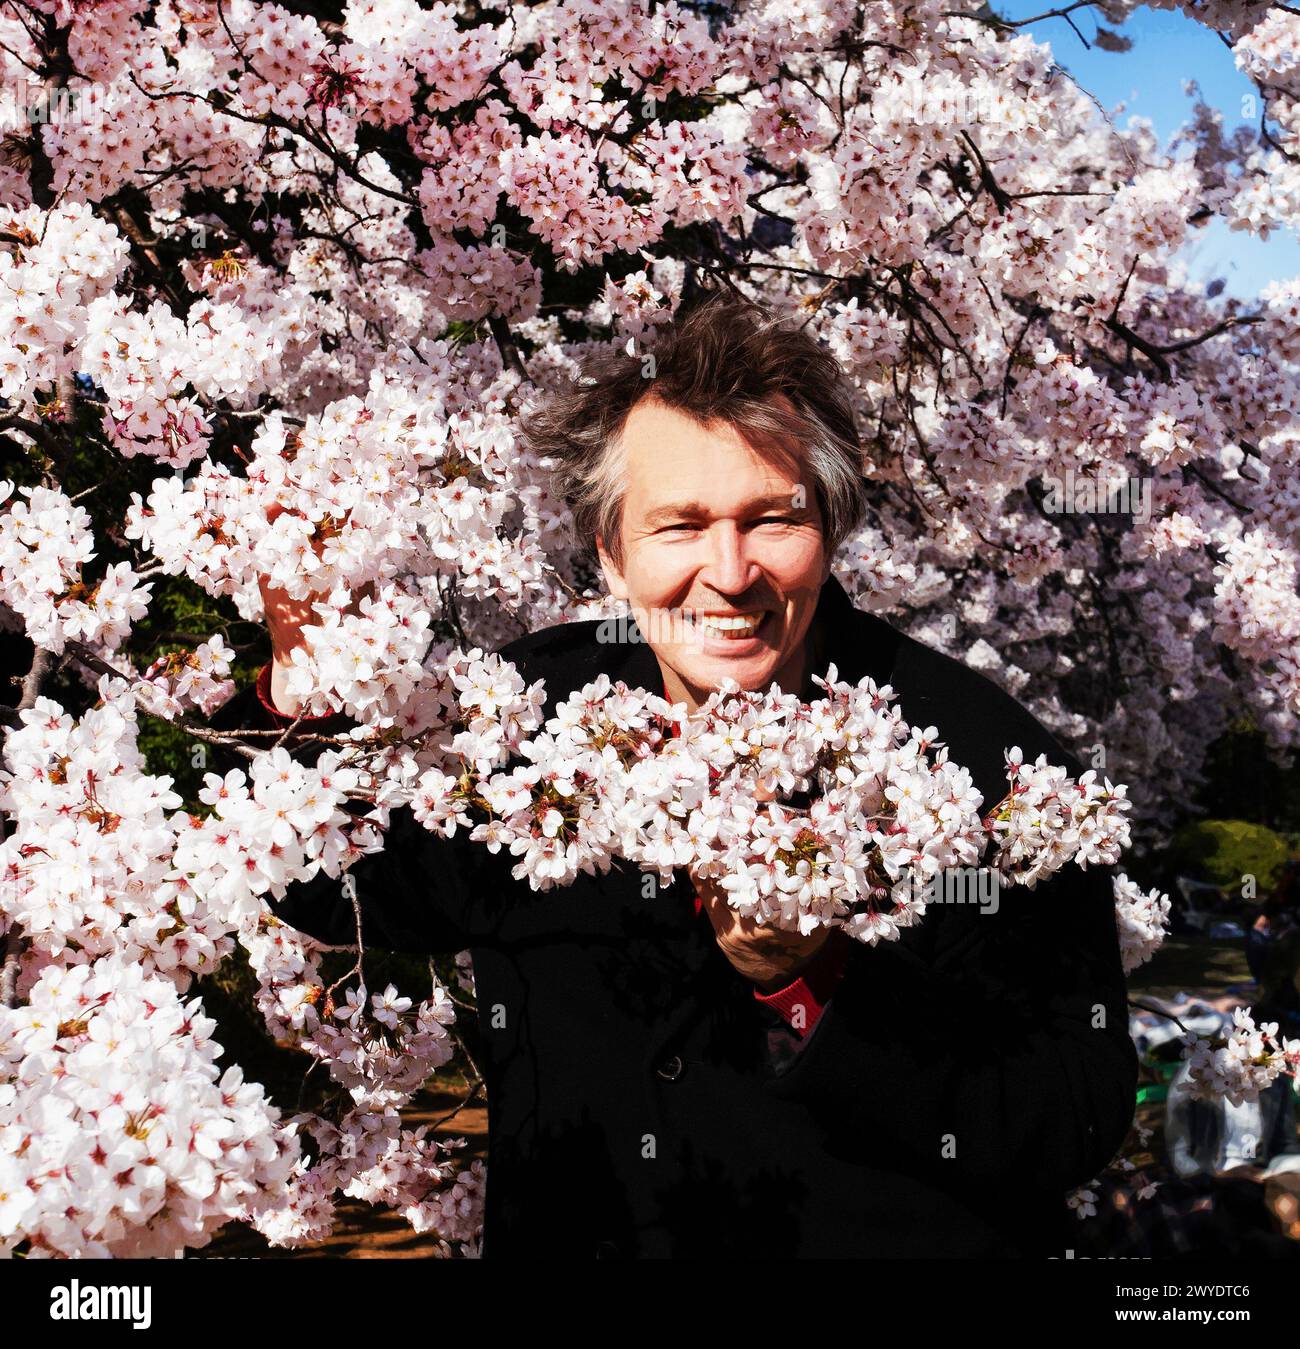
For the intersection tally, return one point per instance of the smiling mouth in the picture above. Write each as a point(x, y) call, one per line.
point(729, 627)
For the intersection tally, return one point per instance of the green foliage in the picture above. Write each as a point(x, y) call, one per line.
point(1223, 851)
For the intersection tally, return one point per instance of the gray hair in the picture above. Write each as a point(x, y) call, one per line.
point(725, 358)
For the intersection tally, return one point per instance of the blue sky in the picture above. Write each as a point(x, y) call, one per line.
point(1168, 48)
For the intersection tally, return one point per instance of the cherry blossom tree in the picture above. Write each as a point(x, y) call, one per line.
point(276, 282)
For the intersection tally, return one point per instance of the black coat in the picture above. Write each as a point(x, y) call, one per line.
point(959, 1083)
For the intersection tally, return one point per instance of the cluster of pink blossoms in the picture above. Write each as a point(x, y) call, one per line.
point(103, 874)
point(1142, 918)
point(1249, 1059)
point(371, 219)
point(63, 261)
point(617, 772)
point(145, 362)
point(118, 1134)
point(45, 541)
point(187, 680)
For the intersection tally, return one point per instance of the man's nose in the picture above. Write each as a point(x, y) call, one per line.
point(730, 569)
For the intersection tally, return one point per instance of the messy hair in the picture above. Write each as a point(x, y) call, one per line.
point(726, 357)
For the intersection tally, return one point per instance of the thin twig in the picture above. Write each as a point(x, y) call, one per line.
point(1158, 1011)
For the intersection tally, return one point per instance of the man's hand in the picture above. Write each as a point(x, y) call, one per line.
point(768, 956)
point(285, 620)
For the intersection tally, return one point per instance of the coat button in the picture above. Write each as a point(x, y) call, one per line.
point(606, 1249)
point(670, 1069)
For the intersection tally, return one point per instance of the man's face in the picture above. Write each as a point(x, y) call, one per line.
point(723, 556)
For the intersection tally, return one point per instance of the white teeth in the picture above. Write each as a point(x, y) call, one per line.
point(739, 625)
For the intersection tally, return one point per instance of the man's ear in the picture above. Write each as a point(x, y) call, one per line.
point(613, 573)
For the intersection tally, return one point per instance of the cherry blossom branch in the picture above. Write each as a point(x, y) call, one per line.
point(43, 664)
point(995, 21)
point(230, 739)
point(1157, 1011)
point(14, 947)
point(1001, 198)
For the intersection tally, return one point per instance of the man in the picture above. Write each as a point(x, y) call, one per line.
point(948, 1088)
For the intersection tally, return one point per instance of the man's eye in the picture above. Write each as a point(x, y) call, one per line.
point(683, 525)
point(777, 520)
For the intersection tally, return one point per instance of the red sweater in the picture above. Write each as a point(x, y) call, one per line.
point(800, 1003)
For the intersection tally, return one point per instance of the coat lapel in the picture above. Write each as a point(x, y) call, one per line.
point(856, 643)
